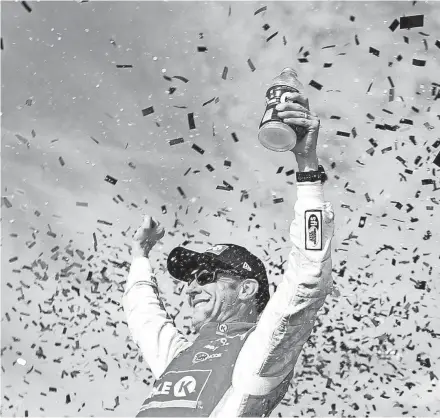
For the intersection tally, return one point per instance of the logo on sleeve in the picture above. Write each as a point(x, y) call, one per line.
point(313, 230)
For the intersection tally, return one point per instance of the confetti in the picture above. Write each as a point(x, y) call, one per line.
point(6, 202)
point(26, 6)
point(22, 139)
point(202, 49)
point(315, 84)
point(83, 204)
point(104, 222)
point(124, 66)
point(147, 111)
point(176, 141)
point(209, 101)
point(198, 149)
point(394, 25)
point(181, 192)
point(179, 77)
point(110, 179)
point(251, 65)
point(1, 44)
point(234, 137)
point(271, 36)
point(191, 122)
point(418, 63)
point(374, 51)
point(261, 9)
point(225, 73)
point(60, 159)
point(408, 22)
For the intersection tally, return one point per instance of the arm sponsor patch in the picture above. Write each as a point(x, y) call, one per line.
point(313, 229)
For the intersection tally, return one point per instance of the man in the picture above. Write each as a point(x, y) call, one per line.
point(243, 359)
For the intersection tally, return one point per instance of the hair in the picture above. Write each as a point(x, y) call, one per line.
point(261, 300)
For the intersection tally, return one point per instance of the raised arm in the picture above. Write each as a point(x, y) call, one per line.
point(289, 317)
point(150, 326)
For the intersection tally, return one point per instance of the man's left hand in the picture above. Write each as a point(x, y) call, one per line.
point(299, 114)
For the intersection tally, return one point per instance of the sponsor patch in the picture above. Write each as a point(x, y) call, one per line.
point(183, 387)
point(313, 229)
point(222, 328)
point(202, 356)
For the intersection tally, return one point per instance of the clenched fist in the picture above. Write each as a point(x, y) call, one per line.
point(147, 236)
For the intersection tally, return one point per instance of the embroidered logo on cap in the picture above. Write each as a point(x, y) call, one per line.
point(217, 250)
point(246, 266)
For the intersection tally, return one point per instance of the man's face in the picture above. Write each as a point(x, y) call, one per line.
point(213, 302)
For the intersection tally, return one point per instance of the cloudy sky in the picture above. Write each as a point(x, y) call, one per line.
point(71, 117)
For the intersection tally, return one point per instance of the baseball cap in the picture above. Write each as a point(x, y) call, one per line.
point(182, 261)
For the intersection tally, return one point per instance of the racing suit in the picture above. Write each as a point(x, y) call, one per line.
point(236, 369)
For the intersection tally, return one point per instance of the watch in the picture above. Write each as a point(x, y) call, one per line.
point(312, 175)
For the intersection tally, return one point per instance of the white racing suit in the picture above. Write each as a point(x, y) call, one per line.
point(236, 369)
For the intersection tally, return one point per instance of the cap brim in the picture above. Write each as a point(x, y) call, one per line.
point(182, 261)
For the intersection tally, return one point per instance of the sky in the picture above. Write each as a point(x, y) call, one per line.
point(70, 118)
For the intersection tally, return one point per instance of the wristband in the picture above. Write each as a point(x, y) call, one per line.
point(312, 176)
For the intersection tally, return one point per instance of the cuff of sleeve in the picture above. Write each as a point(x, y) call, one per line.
point(141, 263)
point(310, 190)
point(140, 270)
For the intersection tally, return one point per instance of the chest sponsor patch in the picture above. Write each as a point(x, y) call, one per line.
point(313, 229)
point(202, 356)
point(182, 389)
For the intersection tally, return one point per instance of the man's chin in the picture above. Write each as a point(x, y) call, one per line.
point(197, 323)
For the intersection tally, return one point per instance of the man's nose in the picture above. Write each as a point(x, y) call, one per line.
point(193, 288)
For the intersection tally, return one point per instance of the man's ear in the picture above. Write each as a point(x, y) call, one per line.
point(248, 289)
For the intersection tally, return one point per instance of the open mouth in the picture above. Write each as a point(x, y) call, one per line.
point(200, 302)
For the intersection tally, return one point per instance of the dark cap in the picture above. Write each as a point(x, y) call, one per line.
point(182, 261)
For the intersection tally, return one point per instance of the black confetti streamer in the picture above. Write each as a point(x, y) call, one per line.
point(315, 84)
point(198, 149)
point(176, 141)
point(408, 22)
point(261, 9)
point(191, 122)
point(147, 111)
point(110, 179)
point(26, 6)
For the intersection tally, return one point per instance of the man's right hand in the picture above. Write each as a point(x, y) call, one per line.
point(147, 236)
